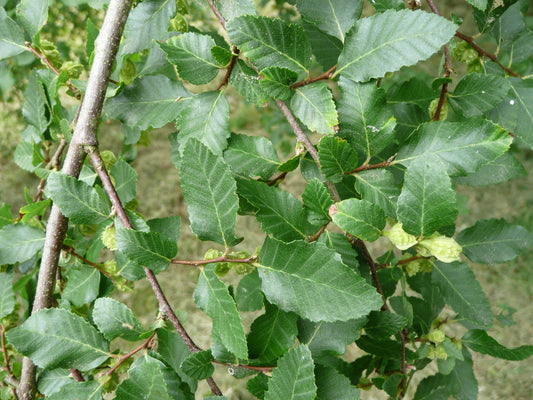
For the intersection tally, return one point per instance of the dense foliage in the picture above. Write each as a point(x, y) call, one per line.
point(381, 149)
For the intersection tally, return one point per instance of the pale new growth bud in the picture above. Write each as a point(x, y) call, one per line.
point(436, 336)
point(399, 237)
point(444, 249)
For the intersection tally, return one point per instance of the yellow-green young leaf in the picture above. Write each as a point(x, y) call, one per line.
point(209, 190)
point(145, 382)
point(251, 156)
point(365, 120)
point(191, 53)
point(147, 22)
point(360, 218)
point(462, 292)
point(19, 243)
point(313, 105)
point(151, 249)
point(56, 338)
point(91, 390)
point(205, 118)
point(480, 341)
point(32, 15)
point(11, 37)
point(271, 41)
point(115, 319)
point(386, 42)
point(427, 201)
point(291, 272)
point(293, 378)
point(212, 296)
point(334, 17)
point(463, 146)
point(7, 295)
point(272, 334)
point(492, 241)
point(337, 157)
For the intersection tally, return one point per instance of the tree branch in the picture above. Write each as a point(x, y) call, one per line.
point(234, 57)
point(217, 13)
point(216, 260)
point(106, 47)
point(325, 75)
point(121, 360)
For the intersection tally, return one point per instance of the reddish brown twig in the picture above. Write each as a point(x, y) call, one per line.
point(278, 178)
point(216, 260)
point(70, 250)
point(366, 167)
point(250, 367)
point(314, 237)
point(123, 358)
point(229, 68)
point(325, 75)
point(78, 377)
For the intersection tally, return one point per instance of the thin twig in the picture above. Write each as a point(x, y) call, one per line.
point(215, 260)
point(250, 367)
point(483, 53)
point(278, 178)
point(317, 235)
point(123, 358)
point(325, 75)
point(234, 56)
point(217, 13)
point(72, 251)
point(78, 377)
point(365, 167)
point(53, 163)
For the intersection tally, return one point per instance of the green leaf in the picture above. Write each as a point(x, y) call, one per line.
point(6, 217)
point(462, 292)
point(35, 104)
point(251, 156)
point(463, 146)
point(515, 112)
point(492, 241)
point(377, 186)
point(326, 48)
point(19, 243)
point(174, 351)
point(209, 190)
point(271, 42)
point(212, 296)
point(332, 385)
point(317, 201)
point(82, 286)
point(427, 201)
point(341, 245)
point(168, 226)
point(272, 334)
point(502, 169)
point(7, 295)
point(199, 365)
point(391, 384)
point(234, 8)
point(149, 20)
point(77, 200)
point(279, 213)
point(149, 102)
point(383, 324)
point(414, 90)
point(337, 157)
point(383, 5)
point(145, 382)
point(11, 37)
point(26, 155)
point(125, 180)
point(364, 118)
point(151, 249)
point(463, 383)
point(32, 15)
point(476, 94)
point(206, 118)
point(434, 387)
point(334, 17)
point(277, 82)
point(329, 338)
point(248, 295)
point(91, 390)
point(56, 338)
point(246, 81)
point(50, 381)
point(115, 319)
point(258, 385)
point(479, 4)
point(386, 42)
point(480, 341)
point(191, 54)
point(293, 377)
point(291, 271)
point(313, 105)
point(360, 218)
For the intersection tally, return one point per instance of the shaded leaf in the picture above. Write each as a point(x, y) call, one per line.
point(463, 383)
point(32, 15)
point(332, 385)
point(212, 296)
point(173, 349)
point(386, 42)
point(271, 41)
point(125, 180)
point(313, 105)
point(492, 241)
point(251, 156)
point(383, 324)
point(246, 81)
point(11, 37)
point(91, 390)
point(360, 218)
point(115, 319)
point(377, 186)
point(248, 295)
point(146, 382)
point(191, 53)
point(7, 295)
point(311, 280)
point(83, 285)
point(364, 118)
point(149, 102)
point(502, 169)
point(206, 118)
point(317, 201)
point(35, 104)
point(480, 341)
point(209, 190)
point(326, 48)
point(462, 292)
point(199, 365)
point(57, 338)
point(19, 243)
point(337, 157)
point(463, 146)
point(293, 377)
point(277, 82)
